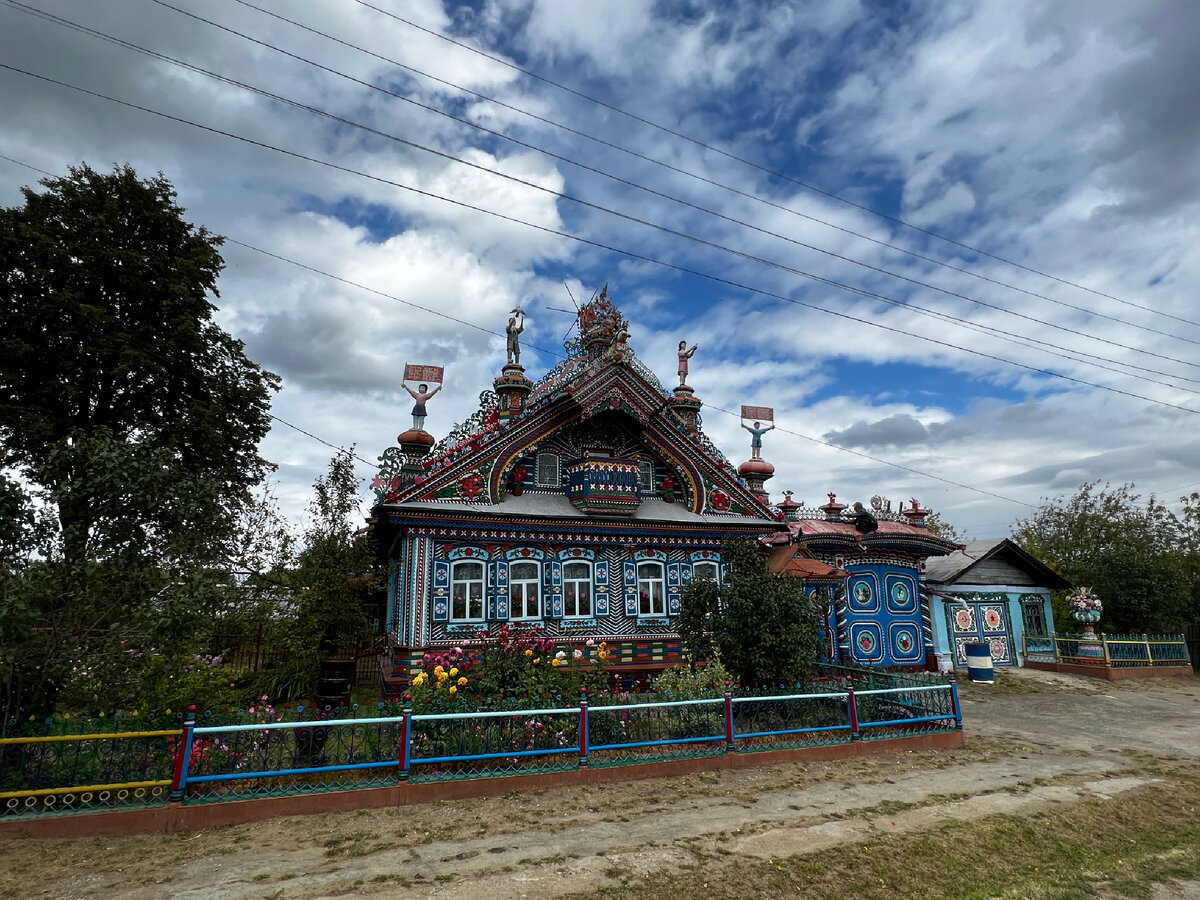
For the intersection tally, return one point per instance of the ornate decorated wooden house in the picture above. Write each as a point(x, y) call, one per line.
point(582, 504)
point(864, 568)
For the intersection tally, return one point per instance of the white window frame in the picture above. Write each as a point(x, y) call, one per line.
point(521, 590)
point(646, 475)
point(711, 564)
point(547, 460)
point(472, 590)
point(654, 586)
point(572, 584)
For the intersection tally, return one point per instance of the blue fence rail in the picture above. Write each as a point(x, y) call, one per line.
point(216, 760)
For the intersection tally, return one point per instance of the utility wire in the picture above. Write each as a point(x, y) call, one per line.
point(553, 353)
point(1021, 340)
point(621, 180)
point(630, 254)
point(734, 157)
point(680, 171)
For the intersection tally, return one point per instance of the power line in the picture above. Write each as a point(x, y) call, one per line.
point(1018, 339)
point(599, 245)
point(768, 171)
point(664, 165)
point(634, 185)
point(553, 353)
point(877, 459)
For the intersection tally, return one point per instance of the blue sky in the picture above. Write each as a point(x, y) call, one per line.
point(1054, 143)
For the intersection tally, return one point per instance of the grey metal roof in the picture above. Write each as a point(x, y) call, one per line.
point(954, 567)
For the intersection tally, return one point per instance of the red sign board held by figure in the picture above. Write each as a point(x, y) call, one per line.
point(759, 413)
point(424, 374)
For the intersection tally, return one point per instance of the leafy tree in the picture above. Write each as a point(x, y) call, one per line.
point(329, 582)
point(129, 425)
point(943, 529)
point(760, 625)
point(1131, 554)
point(106, 327)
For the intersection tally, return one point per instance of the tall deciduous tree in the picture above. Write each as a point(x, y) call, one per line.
point(1133, 555)
point(106, 326)
point(761, 625)
point(130, 420)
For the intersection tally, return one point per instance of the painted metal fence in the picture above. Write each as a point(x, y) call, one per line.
point(234, 756)
point(1114, 651)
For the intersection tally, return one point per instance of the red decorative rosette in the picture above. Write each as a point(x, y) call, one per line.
point(719, 501)
point(471, 486)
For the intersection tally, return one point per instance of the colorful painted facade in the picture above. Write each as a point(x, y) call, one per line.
point(873, 612)
point(582, 505)
point(990, 592)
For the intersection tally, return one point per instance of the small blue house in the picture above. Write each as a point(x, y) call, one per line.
point(993, 592)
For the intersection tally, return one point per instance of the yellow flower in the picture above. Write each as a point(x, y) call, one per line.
point(529, 653)
point(537, 660)
point(462, 681)
point(453, 689)
point(554, 662)
point(438, 671)
point(454, 671)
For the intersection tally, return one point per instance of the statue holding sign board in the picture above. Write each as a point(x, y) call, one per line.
point(421, 375)
point(756, 438)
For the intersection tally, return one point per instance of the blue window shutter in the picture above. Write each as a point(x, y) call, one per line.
point(441, 591)
point(674, 585)
point(601, 588)
point(553, 601)
point(631, 594)
point(498, 606)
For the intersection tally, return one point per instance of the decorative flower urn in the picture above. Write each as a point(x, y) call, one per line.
point(1085, 608)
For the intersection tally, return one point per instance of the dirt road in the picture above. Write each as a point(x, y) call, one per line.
point(1033, 740)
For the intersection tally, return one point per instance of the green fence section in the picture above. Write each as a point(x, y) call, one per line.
point(1115, 651)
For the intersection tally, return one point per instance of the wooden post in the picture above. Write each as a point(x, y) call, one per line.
point(1107, 658)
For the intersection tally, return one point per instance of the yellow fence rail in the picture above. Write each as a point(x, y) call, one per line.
point(1112, 651)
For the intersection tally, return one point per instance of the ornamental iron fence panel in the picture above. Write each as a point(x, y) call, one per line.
point(1116, 651)
point(264, 751)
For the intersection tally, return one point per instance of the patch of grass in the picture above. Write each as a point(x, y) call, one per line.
point(1117, 847)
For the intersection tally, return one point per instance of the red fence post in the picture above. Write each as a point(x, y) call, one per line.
point(852, 710)
point(183, 758)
